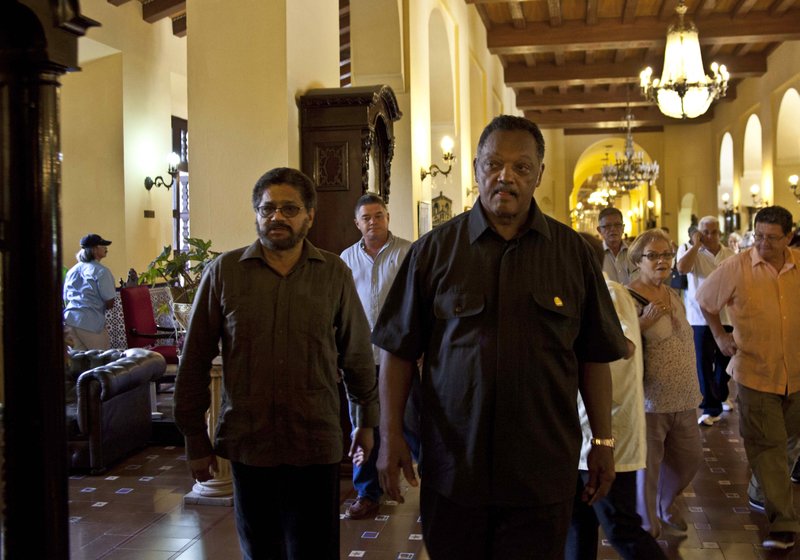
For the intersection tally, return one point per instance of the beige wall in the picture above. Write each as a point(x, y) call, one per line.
point(116, 130)
point(93, 173)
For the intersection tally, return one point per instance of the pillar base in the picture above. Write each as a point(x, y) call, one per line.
point(195, 499)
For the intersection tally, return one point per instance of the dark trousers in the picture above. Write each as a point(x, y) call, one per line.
point(454, 531)
point(621, 524)
point(287, 512)
point(711, 365)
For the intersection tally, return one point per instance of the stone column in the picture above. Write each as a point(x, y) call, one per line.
point(219, 490)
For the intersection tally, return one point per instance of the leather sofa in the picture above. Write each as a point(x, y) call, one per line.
point(108, 405)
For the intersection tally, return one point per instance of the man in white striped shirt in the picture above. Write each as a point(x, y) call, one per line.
point(374, 260)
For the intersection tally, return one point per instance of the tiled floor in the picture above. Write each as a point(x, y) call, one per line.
point(135, 511)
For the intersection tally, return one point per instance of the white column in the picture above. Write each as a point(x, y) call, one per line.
point(219, 490)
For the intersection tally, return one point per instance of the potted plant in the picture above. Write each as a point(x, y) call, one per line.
point(181, 271)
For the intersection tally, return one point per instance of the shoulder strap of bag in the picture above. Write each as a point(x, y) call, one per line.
point(639, 297)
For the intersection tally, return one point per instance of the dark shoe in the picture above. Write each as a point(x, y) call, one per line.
point(796, 471)
point(362, 508)
point(779, 540)
point(756, 505)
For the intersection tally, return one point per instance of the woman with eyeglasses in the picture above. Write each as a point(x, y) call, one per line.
point(671, 389)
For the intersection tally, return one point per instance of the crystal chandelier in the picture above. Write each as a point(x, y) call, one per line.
point(684, 90)
point(629, 171)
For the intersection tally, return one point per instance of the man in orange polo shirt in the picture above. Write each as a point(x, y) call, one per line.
point(761, 289)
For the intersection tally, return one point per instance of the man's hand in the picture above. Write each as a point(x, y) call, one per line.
point(203, 469)
point(601, 474)
point(727, 344)
point(393, 457)
point(697, 239)
point(361, 446)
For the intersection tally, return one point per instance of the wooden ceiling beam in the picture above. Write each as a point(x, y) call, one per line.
point(554, 10)
point(591, 12)
point(743, 7)
point(610, 119)
point(179, 26)
point(527, 101)
point(780, 7)
point(521, 76)
point(649, 32)
point(160, 9)
point(629, 11)
point(517, 17)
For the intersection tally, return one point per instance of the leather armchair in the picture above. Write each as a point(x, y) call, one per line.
point(108, 413)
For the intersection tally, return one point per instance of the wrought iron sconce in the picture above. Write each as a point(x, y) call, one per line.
point(172, 168)
point(793, 186)
point(447, 156)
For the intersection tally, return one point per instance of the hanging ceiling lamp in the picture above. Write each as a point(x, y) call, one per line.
point(629, 171)
point(684, 90)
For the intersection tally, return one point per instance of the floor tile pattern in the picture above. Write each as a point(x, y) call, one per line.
point(135, 511)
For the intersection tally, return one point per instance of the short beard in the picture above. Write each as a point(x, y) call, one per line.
point(282, 244)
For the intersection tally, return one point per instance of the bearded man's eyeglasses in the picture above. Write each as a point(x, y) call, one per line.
point(288, 210)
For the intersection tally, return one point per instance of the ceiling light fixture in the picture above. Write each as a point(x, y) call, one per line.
point(629, 171)
point(684, 90)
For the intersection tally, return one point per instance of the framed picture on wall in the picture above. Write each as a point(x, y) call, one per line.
point(424, 217)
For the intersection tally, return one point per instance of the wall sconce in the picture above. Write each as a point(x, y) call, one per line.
point(447, 156)
point(793, 186)
point(755, 191)
point(172, 168)
point(652, 217)
point(726, 202)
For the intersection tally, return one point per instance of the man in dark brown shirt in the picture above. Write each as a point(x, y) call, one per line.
point(512, 315)
point(289, 319)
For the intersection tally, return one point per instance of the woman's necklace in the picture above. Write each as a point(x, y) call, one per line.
point(666, 301)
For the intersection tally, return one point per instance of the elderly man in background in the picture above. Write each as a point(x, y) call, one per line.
point(615, 262)
point(697, 260)
point(761, 289)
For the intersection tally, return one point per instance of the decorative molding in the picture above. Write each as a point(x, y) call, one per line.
point(331, 171)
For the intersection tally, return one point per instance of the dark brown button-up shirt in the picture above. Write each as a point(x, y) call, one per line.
point(503, 326)
point(284, 340)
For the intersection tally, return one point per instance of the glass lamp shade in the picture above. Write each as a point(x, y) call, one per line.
point(683, 66)
point(684, 90)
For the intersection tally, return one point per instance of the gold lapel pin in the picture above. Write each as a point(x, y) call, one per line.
point(558, 302)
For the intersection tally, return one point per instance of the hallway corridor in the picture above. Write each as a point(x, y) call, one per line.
point(135, 512)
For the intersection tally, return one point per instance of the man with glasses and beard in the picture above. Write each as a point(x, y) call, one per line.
point(289, 320)
point(760, 287)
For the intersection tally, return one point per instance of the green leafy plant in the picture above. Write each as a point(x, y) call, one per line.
point(181, 270)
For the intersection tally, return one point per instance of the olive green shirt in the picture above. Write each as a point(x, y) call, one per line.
point(285, 340)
